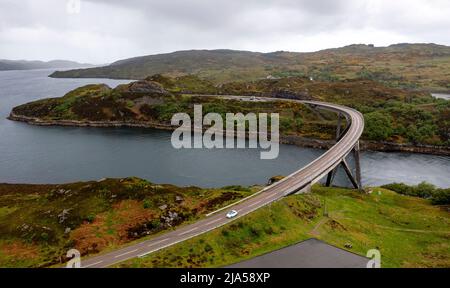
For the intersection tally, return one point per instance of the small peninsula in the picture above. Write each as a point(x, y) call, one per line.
point(396, 119)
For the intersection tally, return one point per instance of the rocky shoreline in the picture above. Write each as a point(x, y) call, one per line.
point(285, 139)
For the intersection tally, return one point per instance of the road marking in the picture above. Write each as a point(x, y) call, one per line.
point(123, 254)
point(270, 196)
point(157, 242)
point(214, 221)
point(89, 265)
point(186, 232)
point(254, 204)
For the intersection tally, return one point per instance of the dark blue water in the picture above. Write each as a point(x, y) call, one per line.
point(33, 154)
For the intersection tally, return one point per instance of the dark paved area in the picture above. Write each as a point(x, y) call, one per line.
point(311, 253)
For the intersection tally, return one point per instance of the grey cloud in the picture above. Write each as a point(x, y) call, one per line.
point(106, 30)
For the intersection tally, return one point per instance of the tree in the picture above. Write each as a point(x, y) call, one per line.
point(378, 126)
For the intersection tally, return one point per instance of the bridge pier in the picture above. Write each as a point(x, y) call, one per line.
point(349, 174)
point(354, 179)
point(357, 165)
point(330, 177)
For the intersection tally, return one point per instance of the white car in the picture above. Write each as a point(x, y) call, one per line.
point(232, 214)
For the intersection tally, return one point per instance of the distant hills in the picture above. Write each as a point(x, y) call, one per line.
point(425, 66)
point(29, 65)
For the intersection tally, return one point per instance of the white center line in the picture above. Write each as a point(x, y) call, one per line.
point(157, 242)
point(254, 204)
point(214, 221)
point(186, 232)
point(123, 254)
point(89, 265)
point(270, 196)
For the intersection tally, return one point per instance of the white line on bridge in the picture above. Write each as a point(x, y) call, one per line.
point(270, 196)
point(186, 232)
point(254, 204)
point(123, 254)
point(214, 221)
point(89, 265)
point(157, 242)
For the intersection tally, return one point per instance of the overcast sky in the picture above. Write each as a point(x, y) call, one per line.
point(102, 31)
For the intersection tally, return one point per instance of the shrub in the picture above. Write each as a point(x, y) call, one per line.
point(90, 218)
point(441, 197)
point(147, 204)
point(44, 236)
point(208, 248)
point(299, 123)
point(156, 224)
point(285, 124)
point(378, 126)
point(425, 190)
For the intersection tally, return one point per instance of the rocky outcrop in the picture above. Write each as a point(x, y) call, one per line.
point(146, 87)
point(86, 123)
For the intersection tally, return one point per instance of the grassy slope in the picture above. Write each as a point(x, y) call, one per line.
point(101, 215)
point(423, 66)
point(408, 231)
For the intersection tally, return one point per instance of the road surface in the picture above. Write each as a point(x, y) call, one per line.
point(290, 184)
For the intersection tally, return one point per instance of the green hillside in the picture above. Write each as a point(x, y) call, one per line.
point(413, 66)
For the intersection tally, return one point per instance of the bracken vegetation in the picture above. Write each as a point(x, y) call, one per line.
point(40, 223)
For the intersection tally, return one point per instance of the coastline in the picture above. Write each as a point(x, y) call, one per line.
point(284, 139)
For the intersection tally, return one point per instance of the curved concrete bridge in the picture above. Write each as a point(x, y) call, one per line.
point(297, 182)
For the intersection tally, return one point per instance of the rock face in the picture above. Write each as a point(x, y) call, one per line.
point(146, 87)
point(170, 218)
point(63, 215)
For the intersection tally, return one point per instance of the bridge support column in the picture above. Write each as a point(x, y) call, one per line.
point(341, 130)
point(330, 177)
point(349, 174)
point(357, 165)
point(332, 173)
point(354, 179)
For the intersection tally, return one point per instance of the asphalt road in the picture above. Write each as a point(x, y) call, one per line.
point(312, 173)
